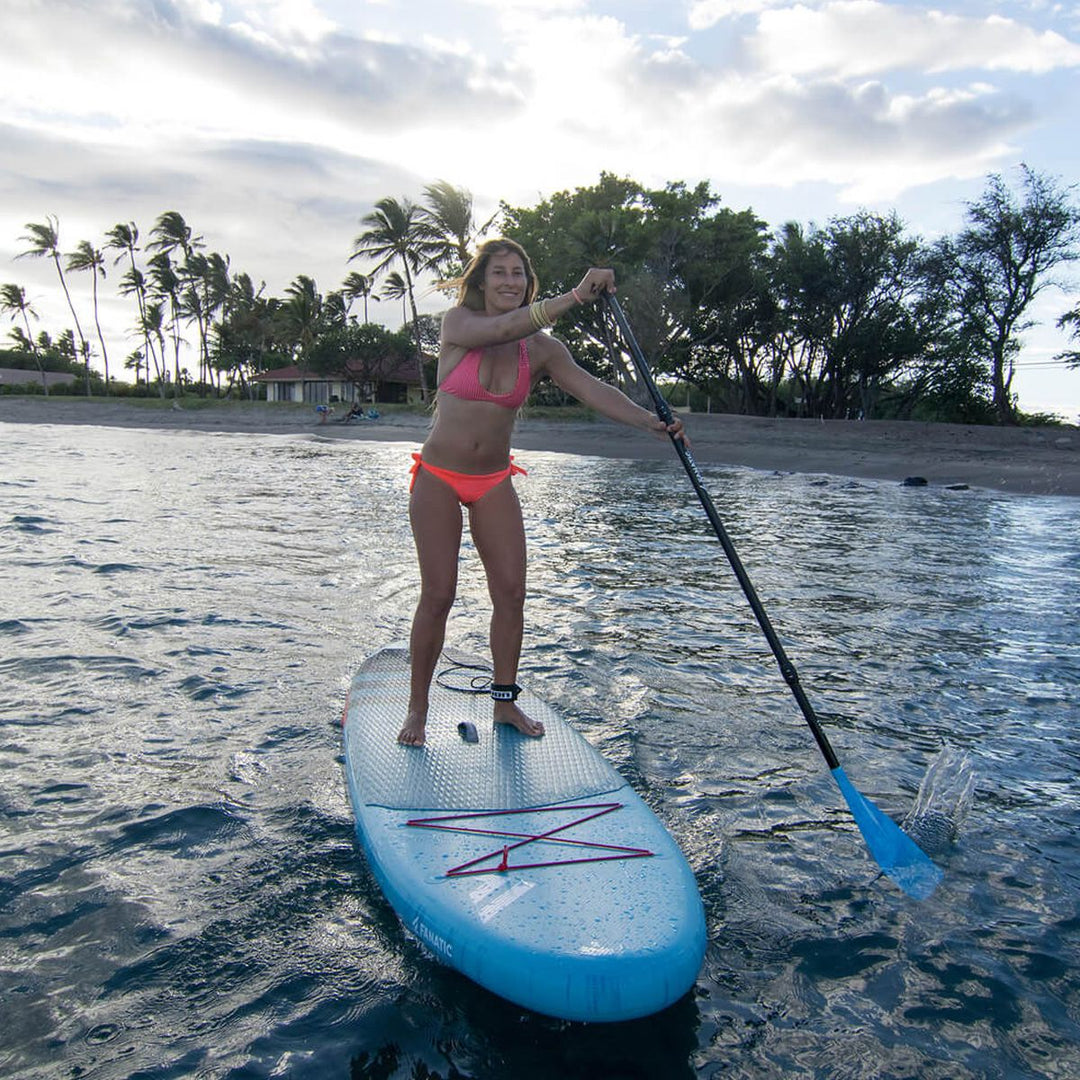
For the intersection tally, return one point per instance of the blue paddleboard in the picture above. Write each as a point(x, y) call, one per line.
point(529, 865)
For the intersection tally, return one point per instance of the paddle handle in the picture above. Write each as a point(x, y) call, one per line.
point(663, 410)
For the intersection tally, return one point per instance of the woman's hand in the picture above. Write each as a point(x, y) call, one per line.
point(594, 284)
point(674, 429)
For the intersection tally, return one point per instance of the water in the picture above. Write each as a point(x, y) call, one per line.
point(180, 891)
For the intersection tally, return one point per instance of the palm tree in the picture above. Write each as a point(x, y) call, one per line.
point(356, 286)
point(171, 233)
point(449, 213)
point(87, 257)
point(13, 301)
point(124, 239)
point(167, 288)
point(302, 313)
point(44, 240)
point(153, 324)
point(394, 288)
point(398, 232)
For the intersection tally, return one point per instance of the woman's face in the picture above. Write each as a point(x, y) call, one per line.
point(505, 282)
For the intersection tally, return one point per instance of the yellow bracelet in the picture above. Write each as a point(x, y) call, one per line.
point(539, 317)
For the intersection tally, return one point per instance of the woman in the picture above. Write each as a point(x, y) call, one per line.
point(491, 353)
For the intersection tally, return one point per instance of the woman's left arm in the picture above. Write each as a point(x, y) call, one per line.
point(560, 367)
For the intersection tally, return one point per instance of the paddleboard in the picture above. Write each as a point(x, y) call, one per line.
point(529, 865)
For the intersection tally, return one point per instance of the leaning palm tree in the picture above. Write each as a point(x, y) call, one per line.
point(134, 283)
point(87, 257)
point(172, 233)
point(302, 313)
point(358, 286)
point(44, 241)
point(172, 237)
point(13, 301)
point(167, 288)
point(394, 288)
point(152, 326)
point(449, 213)
point(397, 232)
point(124, 239)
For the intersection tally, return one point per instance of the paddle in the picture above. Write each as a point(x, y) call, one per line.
point(896, 853)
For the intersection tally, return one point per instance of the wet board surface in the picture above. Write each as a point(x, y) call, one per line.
point(600, 920)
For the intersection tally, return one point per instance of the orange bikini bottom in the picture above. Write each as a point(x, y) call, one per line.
point(468, 487)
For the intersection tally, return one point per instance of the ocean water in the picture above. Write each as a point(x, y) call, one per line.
point(181, 894)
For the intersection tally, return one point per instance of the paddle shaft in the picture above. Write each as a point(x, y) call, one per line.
point(663, 410)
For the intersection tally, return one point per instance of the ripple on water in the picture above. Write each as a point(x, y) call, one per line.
point(180, 891)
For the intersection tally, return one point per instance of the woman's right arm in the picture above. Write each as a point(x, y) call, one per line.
point(473, 330)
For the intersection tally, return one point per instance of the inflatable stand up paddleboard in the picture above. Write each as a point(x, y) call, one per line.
point(529, 865)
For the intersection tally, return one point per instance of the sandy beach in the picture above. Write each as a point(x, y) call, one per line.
point(1027, 460)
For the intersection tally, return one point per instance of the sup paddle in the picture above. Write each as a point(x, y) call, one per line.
point(896, 853)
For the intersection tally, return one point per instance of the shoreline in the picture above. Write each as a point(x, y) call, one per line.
point(1022, 460)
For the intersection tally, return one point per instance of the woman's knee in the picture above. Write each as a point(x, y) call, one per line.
point(435, 603)
point(507, 595)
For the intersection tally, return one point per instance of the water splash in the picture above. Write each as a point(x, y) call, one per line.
point(943, 802)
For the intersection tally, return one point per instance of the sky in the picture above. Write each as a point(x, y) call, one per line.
point(273, 126)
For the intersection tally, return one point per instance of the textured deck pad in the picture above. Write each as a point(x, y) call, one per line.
point(504, 770)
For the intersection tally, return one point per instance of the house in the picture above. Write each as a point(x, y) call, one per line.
point(384, 383)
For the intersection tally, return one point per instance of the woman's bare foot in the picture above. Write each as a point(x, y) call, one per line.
point(412, 734)
point(506, 712)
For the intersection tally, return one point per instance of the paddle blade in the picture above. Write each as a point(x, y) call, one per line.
point(896, 853)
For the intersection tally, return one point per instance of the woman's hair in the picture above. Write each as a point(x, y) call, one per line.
point(470, 293)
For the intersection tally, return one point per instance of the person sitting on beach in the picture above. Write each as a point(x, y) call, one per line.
point(492, 351)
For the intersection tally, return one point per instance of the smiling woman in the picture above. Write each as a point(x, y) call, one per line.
point(493, 350)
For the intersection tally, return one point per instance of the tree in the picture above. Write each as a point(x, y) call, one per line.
point(166, 288)
point(44, 240)
point(363, 355)
point(124, 239)
point(355, 287)
point(396, 288)
point(448, 210)
point(846, 293)
point(398, 233)
point(87, 257)
point(13, 301)
point(680, 264)
point(171, 235)
point(301, 315)
point(1003, 260)
point(1071, 321)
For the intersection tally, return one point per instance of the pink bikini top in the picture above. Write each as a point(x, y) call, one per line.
point(464, 381)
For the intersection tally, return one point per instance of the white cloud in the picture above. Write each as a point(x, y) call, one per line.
point(706, 13)
point(272, 126)
point(853, 38)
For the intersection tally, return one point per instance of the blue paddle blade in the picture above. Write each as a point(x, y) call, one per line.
point(896, 853)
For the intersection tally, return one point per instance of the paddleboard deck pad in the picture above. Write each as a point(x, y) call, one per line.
point(529, 865)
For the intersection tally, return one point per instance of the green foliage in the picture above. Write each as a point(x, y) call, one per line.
point(853, 318)
point(360, 352)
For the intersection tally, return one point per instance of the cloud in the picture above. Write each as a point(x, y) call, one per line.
point(272, 126)
point(873, 142)
point(706, 13)
point(855, 38)
point(154, 67)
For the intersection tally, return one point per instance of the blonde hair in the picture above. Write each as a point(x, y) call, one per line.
point(470, 294)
